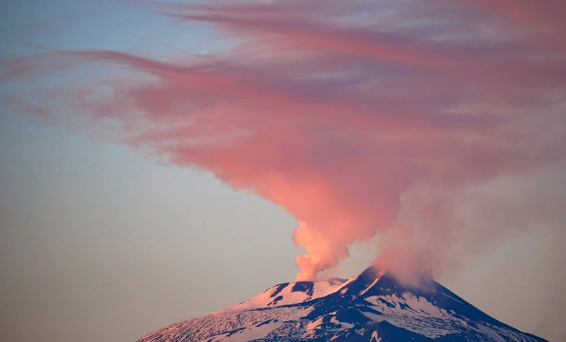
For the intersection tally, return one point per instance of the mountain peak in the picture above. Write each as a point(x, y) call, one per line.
point(372, 306)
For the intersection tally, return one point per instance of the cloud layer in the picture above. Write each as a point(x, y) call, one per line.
point(396, 118)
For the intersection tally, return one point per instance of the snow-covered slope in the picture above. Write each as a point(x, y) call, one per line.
point(288, 293)
point(370, 307)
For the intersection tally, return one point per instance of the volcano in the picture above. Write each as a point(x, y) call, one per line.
point(371, 307)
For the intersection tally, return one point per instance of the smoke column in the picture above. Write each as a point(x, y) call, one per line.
point(413, 120)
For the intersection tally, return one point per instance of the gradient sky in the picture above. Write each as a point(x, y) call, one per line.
point(162, 160)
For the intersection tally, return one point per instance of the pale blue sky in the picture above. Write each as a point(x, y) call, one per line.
point(101, 243)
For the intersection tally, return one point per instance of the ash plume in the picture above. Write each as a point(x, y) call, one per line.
point(415, 120)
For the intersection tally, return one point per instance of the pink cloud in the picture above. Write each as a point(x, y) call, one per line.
point(356, 124)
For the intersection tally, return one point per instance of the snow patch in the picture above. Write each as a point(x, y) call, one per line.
point(253, 333)
point(377, 277)
point(374, 337)
point(491, 333)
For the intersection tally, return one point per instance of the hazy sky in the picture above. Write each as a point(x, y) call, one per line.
point(162, 160)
